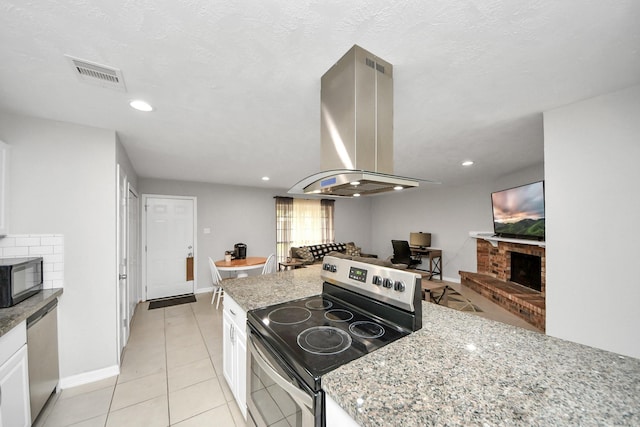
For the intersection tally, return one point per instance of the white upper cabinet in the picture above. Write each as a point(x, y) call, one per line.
point(4, 187)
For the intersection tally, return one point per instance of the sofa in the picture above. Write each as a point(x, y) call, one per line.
point(314, 253)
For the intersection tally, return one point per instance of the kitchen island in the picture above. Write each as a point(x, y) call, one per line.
point(460, 369)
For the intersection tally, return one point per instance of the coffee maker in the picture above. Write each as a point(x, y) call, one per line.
point(239, 251)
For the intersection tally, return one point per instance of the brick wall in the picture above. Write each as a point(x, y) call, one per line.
point(496, 261)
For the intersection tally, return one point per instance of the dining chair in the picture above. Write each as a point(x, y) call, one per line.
point(217, 283)
point(270, 265)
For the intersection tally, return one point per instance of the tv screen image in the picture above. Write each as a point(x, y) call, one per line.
point(519, 212)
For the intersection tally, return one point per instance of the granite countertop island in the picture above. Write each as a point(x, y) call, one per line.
point(260, 291)
point(12, 316)
point(461, 369)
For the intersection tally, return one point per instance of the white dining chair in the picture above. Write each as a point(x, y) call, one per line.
point(217, 283)
point(270, 265)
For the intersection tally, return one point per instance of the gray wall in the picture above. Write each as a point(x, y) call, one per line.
point(248, 215)
point(448, 213)
point(593, 208)
point(63, 181)
point(353, 219)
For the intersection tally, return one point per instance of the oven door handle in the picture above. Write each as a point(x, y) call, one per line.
point(295, 393)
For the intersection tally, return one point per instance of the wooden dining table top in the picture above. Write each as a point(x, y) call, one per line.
point(247, 262)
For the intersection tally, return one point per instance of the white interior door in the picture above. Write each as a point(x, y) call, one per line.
point(123, 286)
point(133, 260)
point(170, 239)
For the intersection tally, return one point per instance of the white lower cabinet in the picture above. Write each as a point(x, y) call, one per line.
point(15, 410)
point(336, 416)
point(234, 351)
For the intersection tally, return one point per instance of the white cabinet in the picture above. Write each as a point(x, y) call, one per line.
point(234, 351)
point(14, 379)
point(4, 188)
point(336, 416)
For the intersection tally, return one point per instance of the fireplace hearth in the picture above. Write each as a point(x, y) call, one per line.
point(518, 286)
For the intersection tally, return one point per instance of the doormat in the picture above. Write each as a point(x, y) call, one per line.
point(168, 302)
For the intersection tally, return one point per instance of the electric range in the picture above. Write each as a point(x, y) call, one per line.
point(362, 308)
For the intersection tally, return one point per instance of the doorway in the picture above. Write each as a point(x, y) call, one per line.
point(169, 242)
point(133, 260)
point(126, 248)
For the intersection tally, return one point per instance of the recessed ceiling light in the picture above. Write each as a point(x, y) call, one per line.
point(355, 183)
point(398, 187)
point(315, 192)
point(356, 195)
point(140, 105)
point(467, 163)
point(265, 178)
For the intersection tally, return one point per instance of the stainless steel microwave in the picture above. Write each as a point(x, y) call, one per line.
point(20, 278)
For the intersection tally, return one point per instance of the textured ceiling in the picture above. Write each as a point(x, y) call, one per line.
point(236, 85)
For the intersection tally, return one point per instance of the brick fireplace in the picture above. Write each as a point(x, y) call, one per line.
point(508, 275)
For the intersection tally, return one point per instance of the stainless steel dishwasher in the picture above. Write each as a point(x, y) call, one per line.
point(42, 350)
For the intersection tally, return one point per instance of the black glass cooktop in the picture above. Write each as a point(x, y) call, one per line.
point(318, 334)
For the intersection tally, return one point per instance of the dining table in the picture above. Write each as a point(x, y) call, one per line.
point(241, 266)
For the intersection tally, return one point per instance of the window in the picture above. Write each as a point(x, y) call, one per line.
point(301, 222)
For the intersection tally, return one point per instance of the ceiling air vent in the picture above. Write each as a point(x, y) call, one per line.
point(96, 74)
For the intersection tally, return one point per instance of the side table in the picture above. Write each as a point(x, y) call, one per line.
point(290, 265)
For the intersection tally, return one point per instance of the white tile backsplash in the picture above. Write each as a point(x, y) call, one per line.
point(16, 251)
point(49, 246)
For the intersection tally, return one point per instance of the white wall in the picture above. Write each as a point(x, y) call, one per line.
point(593, 209)
point(248, 215)
point(63, 182)
point(448, 213)
point(233, 214)
point(122, 158)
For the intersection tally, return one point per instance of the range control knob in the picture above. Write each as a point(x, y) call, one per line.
point(388, 283)
point(377, 280)
point(334, 268)
point(399, 286)
point(326, 266)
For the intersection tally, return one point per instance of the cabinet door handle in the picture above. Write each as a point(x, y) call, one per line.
point(232, 312)
point(232, 329)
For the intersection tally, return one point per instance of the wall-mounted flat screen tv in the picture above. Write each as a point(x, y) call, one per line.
point(519, 212)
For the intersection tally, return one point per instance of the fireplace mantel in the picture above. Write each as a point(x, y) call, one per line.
point(491, 238)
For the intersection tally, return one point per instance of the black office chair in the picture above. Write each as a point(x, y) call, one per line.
point(402, 254)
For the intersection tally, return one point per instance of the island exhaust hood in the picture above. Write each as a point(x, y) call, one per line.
point(356, 130)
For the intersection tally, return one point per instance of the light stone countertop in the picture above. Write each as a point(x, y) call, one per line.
point(260, 291)
point(10, 317)
point(464, 370)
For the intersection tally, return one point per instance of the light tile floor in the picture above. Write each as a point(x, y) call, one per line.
point(172, 372)
point(171, 375)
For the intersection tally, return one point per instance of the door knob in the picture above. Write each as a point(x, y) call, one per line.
point(122, 276)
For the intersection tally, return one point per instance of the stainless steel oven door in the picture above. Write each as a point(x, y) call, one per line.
point(275, 396)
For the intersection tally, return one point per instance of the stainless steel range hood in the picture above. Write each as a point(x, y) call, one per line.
point(356, 130)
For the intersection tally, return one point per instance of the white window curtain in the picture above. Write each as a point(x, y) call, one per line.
point(302, 222)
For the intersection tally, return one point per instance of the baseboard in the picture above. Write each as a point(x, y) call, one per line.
point(88, 377)
point(452, 279)
point(204, 290)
